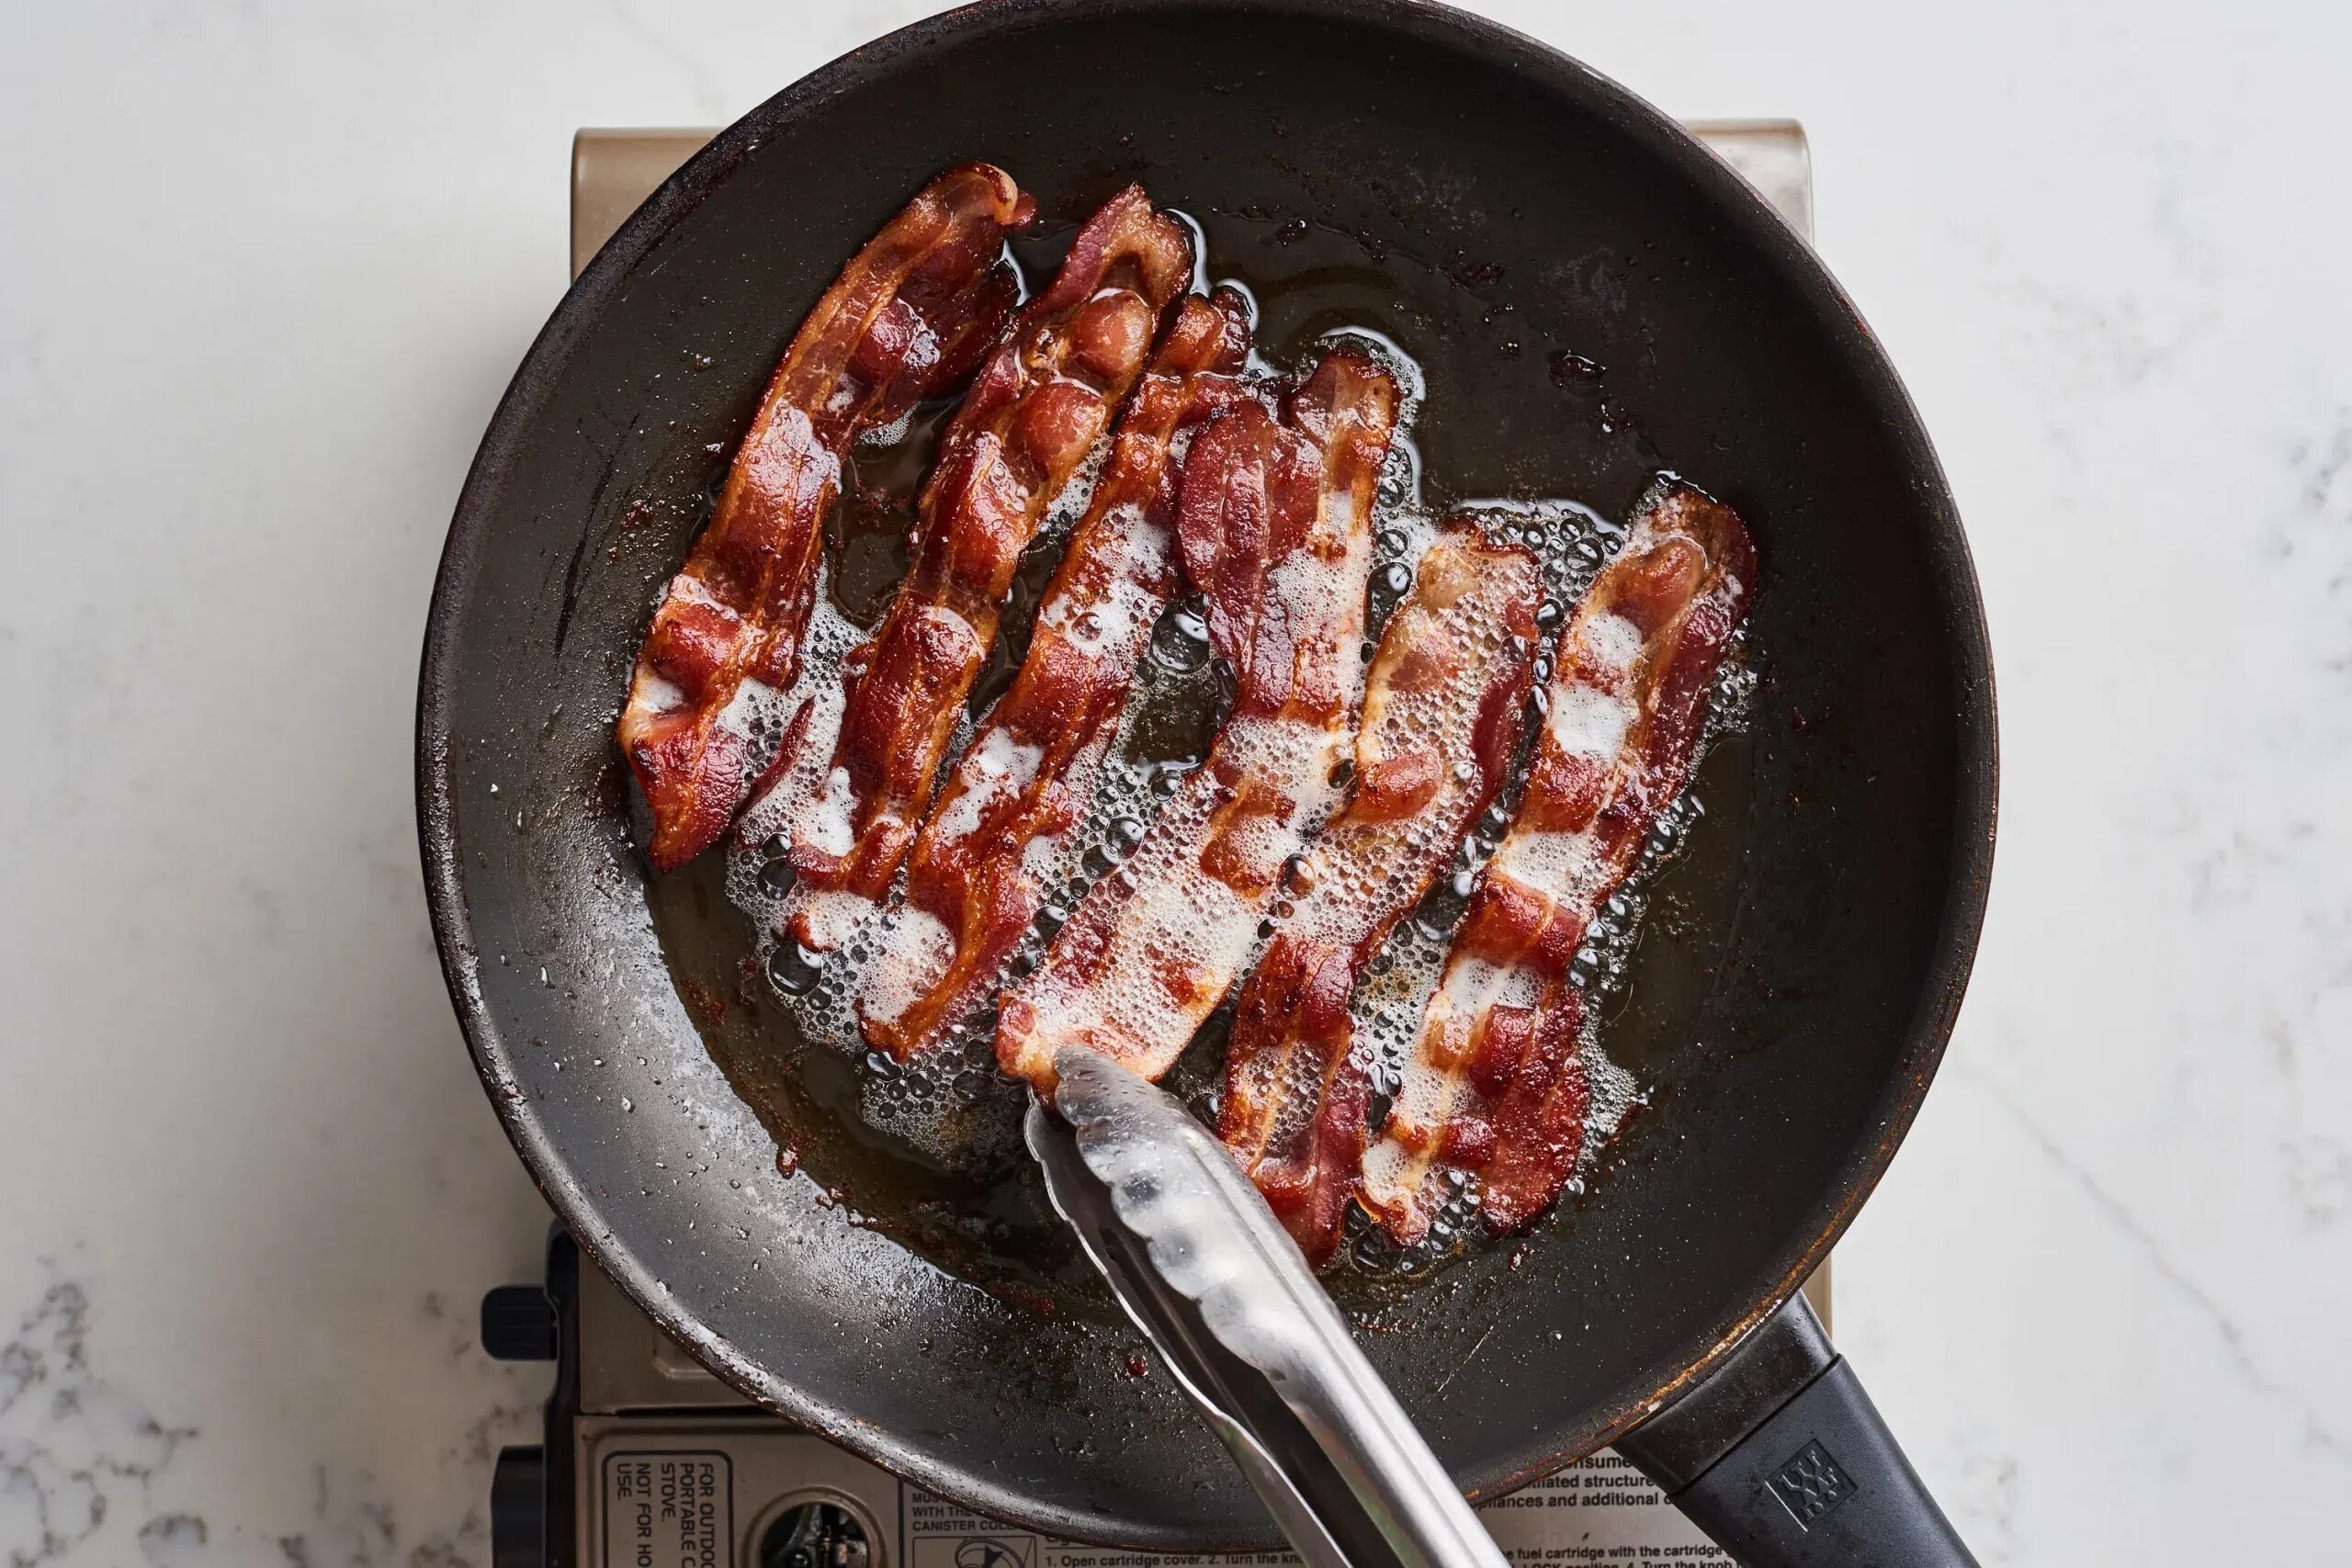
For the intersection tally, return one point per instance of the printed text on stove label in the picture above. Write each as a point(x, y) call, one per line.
point(668, 1510)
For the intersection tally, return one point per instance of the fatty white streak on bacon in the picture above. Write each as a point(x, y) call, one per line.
point(1275, 530)
point(1495, 1085)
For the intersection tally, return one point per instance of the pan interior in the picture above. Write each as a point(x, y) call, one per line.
point(968, 1200)
point(1474, 193)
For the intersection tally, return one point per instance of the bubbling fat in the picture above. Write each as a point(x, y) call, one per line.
point(796, 783)
point(1188, 920)
point(1154, 952)
point(949, 1103)
point(915, 950)
point(806, 797)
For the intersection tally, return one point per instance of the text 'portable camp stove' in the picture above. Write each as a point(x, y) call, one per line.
point(650, 1461)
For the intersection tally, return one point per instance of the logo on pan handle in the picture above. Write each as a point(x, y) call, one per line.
point(1810, 1485)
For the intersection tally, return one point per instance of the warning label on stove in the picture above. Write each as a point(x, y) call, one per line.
point(669, 1511)
point(1602, 1510)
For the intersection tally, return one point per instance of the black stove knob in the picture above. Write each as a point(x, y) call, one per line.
point(518, 1509)
point(518, 1324)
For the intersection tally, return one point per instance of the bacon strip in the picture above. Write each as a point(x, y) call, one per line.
point(1035, 411)
point(1443, 708)
point(908, 318)
point(1274, 526)
point(1028, 775)
point(1496, 1086)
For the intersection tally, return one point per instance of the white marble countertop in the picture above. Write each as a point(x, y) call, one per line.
point(269, 267)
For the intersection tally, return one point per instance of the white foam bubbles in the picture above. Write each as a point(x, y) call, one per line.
point(948, 1099)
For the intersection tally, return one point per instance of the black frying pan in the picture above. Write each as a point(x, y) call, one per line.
point(1491, 203)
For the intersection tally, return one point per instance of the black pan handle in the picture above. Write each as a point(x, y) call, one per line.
point(1783, 1459)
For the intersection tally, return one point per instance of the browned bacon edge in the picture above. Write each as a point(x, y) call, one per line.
point(907, 318)
point(1443, 708)
point(1274, 527)
point(1034, 411)
point(1497, 1084)
point(1028, 775)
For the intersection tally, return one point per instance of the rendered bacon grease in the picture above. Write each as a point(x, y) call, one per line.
point(1033, 416)
point(1028, 775)
point(1442, 712)
point(1496, 1085)
point(907, 318)
point(1297, 859)
point(1274, 528)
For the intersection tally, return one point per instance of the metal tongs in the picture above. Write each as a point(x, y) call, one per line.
point(1199, 1263)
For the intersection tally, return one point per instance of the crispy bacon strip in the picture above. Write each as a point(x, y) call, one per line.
point(1442, 711)
point(1275, 526)
point(908, 318)
point(1495, 1085)
point(1035, 411)
point(1029, 774)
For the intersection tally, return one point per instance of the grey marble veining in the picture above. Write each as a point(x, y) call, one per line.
point(267, 270)
point(74, 1448)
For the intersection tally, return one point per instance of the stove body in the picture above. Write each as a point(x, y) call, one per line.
point(649, 1461)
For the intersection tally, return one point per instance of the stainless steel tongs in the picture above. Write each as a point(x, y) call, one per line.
point(1199, 1263)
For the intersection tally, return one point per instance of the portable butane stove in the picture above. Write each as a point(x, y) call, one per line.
point(650, 1461)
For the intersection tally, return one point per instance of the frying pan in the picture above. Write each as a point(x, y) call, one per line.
point(1495, 205)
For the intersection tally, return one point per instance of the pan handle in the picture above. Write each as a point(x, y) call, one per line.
point(1783, 1459)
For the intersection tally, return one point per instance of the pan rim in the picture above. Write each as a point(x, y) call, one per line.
point(1965, 632)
